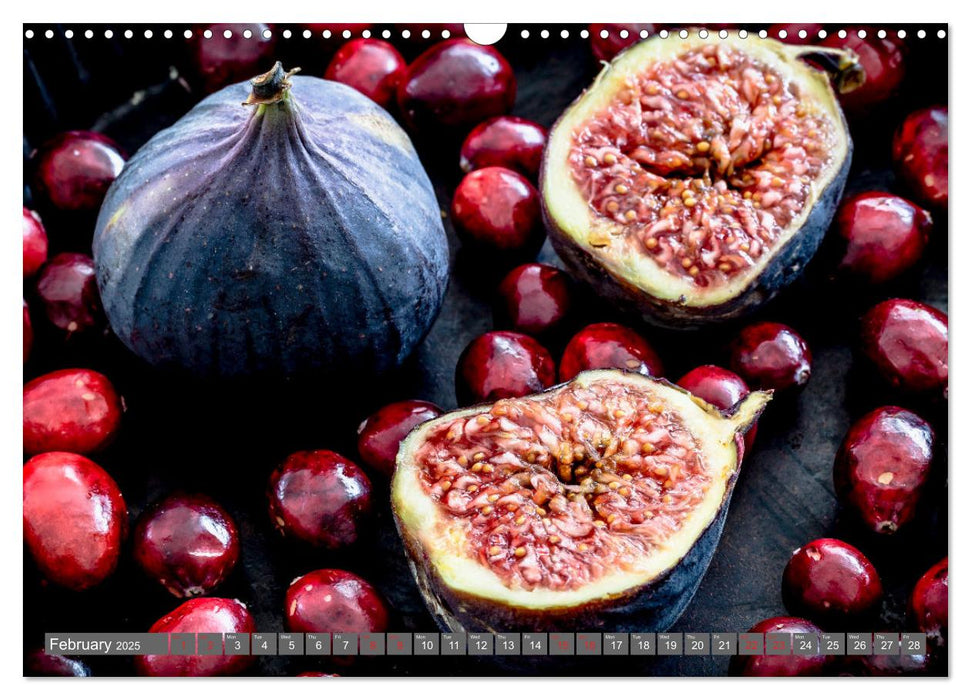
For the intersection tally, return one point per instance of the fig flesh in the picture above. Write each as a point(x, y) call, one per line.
point(696, 177)
point(594, 505)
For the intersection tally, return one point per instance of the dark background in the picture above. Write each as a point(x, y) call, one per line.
point(224, 441)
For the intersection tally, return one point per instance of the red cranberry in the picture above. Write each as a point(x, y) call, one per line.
point(534, 299)
point(28, 332)
point(907, 342)
point(416, 31)
point(39, 663)
point(74, 519)
point(928, 604)
point(882, 466)
point(35, 243)
point(331, 600)
point(606, 40)
point(503, 365)
point(721, 388)
point(321, 498)
point(456, 84)
point(211, 615)
point(609, 346)
point(881, 235)
point(68, 292)
point(187, 543)
point(371, 66)
point(920, 153)
point(70, 410)
point(810, 32)
point(828, 580)
point(74, 169)
point(380, 435)
point(771, 356)
point(882, 61)
point(510, 142)
point(781, 665)
point(497, 210)
point(317, 674)
point(220, 61)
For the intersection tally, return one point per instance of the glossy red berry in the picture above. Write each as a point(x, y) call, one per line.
point(880, 235)
point(609, 346)
point(502, 365)
point(771, 356)
point(211, 615)
point(222, 60)
point(882, 466)
point(381, 433)
point(35, 243)
point(830, 581)
point(371, 66)
point(509, 142)
point(456, 84)
point(321, 498)
point(534, 298)
point(907, 342)
point(74, 169)
point(188, 543)
point(608, 40)
point(782, 665)
point(38, 662)
point(497, 210)
point(75, 519)
point(70, 410)
point(331, 600)
point(28, 332)
point(68, 292)
point(920, 154)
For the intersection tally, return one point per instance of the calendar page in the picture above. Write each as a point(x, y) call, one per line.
point(393, 350)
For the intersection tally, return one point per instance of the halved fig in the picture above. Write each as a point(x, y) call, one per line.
point(696, 177)
point(595, 504)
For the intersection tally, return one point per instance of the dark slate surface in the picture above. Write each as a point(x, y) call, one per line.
point(225, 442)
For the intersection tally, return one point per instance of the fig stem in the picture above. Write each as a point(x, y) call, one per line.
point(843, 65)
point(270, 87)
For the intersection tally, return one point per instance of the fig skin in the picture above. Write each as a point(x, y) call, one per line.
point(907, 343)
point(381, 433)
point(70, 410)
point(339, 258)
point(881, 236)
point(771, 356)
point(214, 615)
point(882, 466)
point(502, 365)
point(188, 543)
point(534, 299)
point(68, 291)
point(509, 142)
point(927, 607)
point(75, 519)
point(331, 600)
point(371, 66)
point(789, 665)
point(609, 346)
point(321, 498)
point(454, 85)
point(721, 388)
point(920, 154)
point(74, 170)
point(829, 582)
point(35, 243)
point(496, 211)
